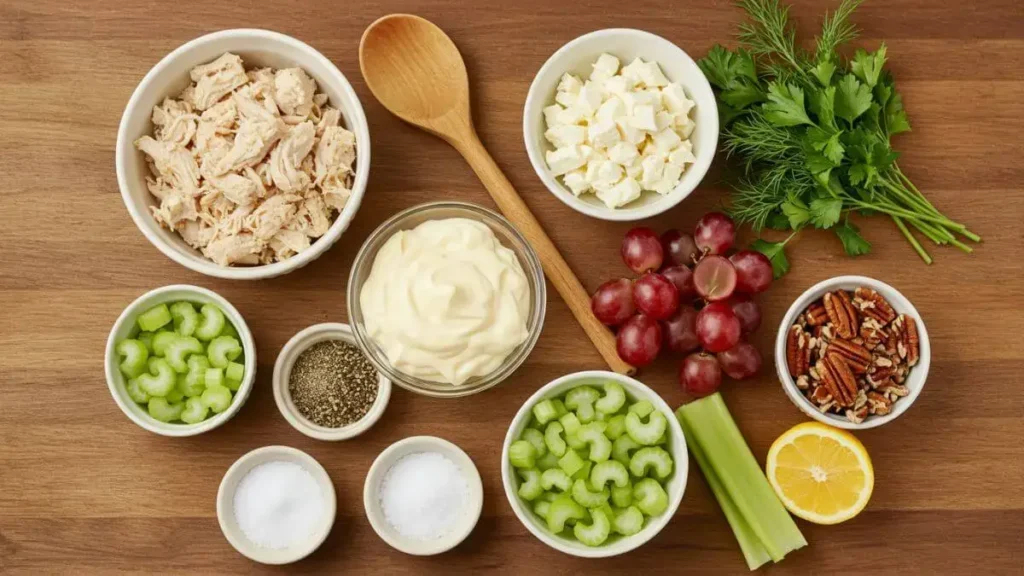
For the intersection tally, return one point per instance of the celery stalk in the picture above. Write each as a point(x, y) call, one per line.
point(753, 551)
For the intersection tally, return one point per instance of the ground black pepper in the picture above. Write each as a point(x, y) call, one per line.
point(333, 384)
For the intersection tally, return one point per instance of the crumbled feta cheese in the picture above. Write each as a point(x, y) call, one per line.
point(612, 109)
point(623, 153)
point(604, 134)
point(669, 179)
point(565, 159)
point(654, 168)
point(663, 119)
point(577, 182)
point(551, 115)
point(666, 140)
point(621, 194)
point(650, 75)
point(603, 174)
point(674, 98)
point(570, 115)
point(631, 72)
point(589, 98)
point(642, 118)
point(605, 67)
point(617, 85)
point(570, 84)
point(566, 98)
point(682, 155)
point(563, 135)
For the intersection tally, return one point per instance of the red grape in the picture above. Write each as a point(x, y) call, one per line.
point(682, 277)
point(679, 248)
point(656, 296)
point(718, 329)
point(613, 302)
point(681, 330)
point(747, 310)
point(642, 251)
point(753, 271)
point(639, 340)
point(741, 361)
point(714, 278)
point(715, 233)
point(700, 374)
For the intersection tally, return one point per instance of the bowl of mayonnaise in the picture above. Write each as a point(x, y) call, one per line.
point(446, 299)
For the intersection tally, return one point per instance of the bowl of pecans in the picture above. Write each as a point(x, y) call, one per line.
point(852, 352)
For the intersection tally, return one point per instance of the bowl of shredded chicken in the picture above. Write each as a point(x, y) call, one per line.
point(243, 154)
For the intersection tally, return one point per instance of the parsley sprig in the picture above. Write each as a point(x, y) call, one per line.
point(813, 133)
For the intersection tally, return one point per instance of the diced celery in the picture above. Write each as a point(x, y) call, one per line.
point(229, 330)
point(545, 411)
point(194, 412)
point(541, 508)
point(522, 454)
point(582, 494)
point(600, 445)
point(214, 377)
point(650, 497)
point(222, 350)
point(584, 472)
point(549, 496)
point(646, 434)
point(212, 323)
point(154, 318)
point(622, 496)
point(622, 447)
point(553, 439)
point(175, 395)
point(194, 382)
point(135, 391)
point(597, 532)
point(571, 462)
point(651, 457)
point(574, 441)
point(530, 488)
point(536, 438)
point(186, 319)
point(616, 427)
point(642, 408)
point(581, 395)
point(147, 339)
point(135, 357)
point(560, 408)
point(586, 413)
point(629, 521)
point(216, 398)
point(561, 510)
point(613, 399)
point(164, 411)
point(610, 470)
point(161, 340)
point(160, 380)
point(177, 350)
point(234, 374)
point(555, 478)
point(570, 423)
point(549, 460)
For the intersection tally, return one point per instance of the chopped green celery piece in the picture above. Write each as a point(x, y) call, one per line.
point(611, 470)
point(570, 462)
point(216, 398)
point(549, 496)
point(560, 408)
point(646, 434)
point(135, 391)
point(613, 399)
point(161, 340)
point(160, 409)
point(622, 496)
point(753, 551)
point(555, 478)
point(583, 472)
point(212, 323)
point(135, 357)
point(222, 350)
point(600, 416)
point(522, 454)
point(641, 408)
point(177, 350)
point(175, 395)
point(214, 377)
point(530, 488)
point(549, 460)
point(714, 430)
point(570, 423)
point(581, 395)
point(160, 380)
point(622, 447)
point(541, 508)
point(155, 318)
point(186, 319)
point(582, 494)
point(563, 509)
point(574, 441)
point(597, 532)
point(600, 445)
point(544, 411)
point(235, 372)
point(229, 330)
point(629, 521)
point(147, 339)
point(194, 412)
point(650, 497)
point(195, 380)
point(536, 438)
point(616, 427)
point(608, 511)
point(651, 457)
point(586, 413)
point(553, 438)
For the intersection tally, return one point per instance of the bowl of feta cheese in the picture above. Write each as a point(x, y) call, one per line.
point(620, 124)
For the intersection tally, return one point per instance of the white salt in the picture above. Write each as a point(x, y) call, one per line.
point(424, 496)
point(278, 505)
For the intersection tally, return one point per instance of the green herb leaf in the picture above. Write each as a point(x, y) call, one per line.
point(853, 242)
point(797, 212)
point(742, 95)
point(825, 212)
point(823, 105)
point(775, 253)
point(867, 66)
point(896, 120)
point(827, 143)
point(777, 221)
point(852, 98)
point(724, 69)
point(823, 72)
point(817, 163)
point(785, 106)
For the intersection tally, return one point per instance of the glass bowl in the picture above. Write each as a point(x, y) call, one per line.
point(507, 235)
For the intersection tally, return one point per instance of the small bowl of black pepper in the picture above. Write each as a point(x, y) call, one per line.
point(325, 387)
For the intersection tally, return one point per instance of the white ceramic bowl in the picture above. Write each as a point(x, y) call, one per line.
point(125, 326)
point(378, 471)
point(282, 371)
point(676, 486)
point(915, 378)
point(171, 75)
point(626, 44)
point(225, 504)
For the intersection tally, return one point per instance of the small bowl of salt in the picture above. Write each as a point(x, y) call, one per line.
point(276, 505)
point(423, 495)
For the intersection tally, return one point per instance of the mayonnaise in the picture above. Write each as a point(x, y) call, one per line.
point(446, 301)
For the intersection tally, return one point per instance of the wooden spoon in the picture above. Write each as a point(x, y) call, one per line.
point(417, 73)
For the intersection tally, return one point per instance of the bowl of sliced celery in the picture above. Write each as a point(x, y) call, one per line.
point(594, 464)
point(180, 360)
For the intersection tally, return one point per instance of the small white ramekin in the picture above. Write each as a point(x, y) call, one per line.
point(226, 512)
point(125, 325)
point(171, 75)
point(676, 486)
point(282, 371)
point(915, 378)
point(626, 44)
point(378, 471)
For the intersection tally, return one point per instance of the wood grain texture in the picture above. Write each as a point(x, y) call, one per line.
point(83, 490)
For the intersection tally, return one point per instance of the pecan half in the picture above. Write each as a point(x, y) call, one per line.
point(816, 315)
point(857, 356)
point(872, 304)
point(798, 351)
point(836, 375)
point(880, 376)
point(909, 345)
point(841, 313)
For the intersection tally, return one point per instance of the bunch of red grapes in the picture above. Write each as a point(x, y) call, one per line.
point(689, 298)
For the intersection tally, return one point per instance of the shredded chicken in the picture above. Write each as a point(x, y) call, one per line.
point(249, 167)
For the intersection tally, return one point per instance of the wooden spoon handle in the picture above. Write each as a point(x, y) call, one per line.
point(556, 268)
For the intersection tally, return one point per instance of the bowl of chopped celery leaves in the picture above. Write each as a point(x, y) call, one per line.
point(180, 361)
point(594, 464)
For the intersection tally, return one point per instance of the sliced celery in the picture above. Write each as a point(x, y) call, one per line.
point(229, 330)
point(522, 454)
point(553, 438)
point(641, 408)
point(216, 398)
point(147, 339)
point(575, 442)
point(570, 462)
point(545, 411)
point(214, 377)
point(195, 411)
point(195, 380)
point(135, 391)
point(613, 399)
point(600, 445)
point(155, 318)
point(570, 423)
point(537, 439)
point(530, 487)
point(629, 521)
point(547, 461)
point(164, 411)
point(586, 413)
point(175, 395)
point(651, 457)
point(563, 509)
point(650, 497)
point(622, 496)
point(235, 372)
point(581, 399)
point(597, 532)
point(135, 357)
point(587, 498)
point(176, 352)
point(646, 433)
point(161, 340)
point(560, 408)
point(584, 472)
point(610, 470)
point(160, 380)
point(186, 319)
point(622, 447)
point(212, 323)
point(616, 427)
point(555, 478)
point(222, 350)
point(541, 508)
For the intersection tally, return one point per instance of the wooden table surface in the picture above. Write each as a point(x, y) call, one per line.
point(84, 490)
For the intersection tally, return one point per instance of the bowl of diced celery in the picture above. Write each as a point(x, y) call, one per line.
point(594, 464)
point(180, 360)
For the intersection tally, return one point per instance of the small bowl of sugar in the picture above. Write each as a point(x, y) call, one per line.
point(423, 495)
point(276, 505)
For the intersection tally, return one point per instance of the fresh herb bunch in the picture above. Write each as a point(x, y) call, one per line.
point(814, 134)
